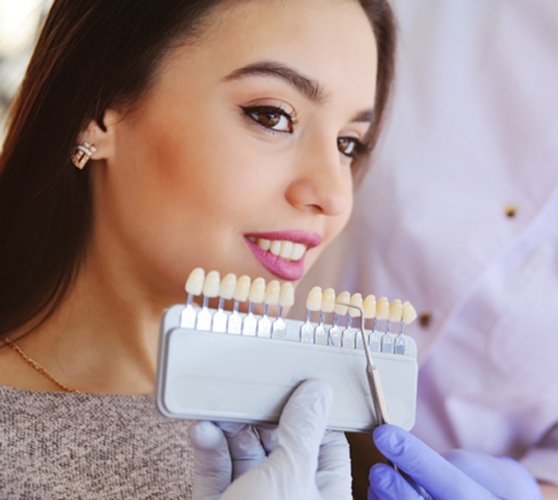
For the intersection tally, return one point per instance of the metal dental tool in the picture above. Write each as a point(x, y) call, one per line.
point(378, 400)
point(372, 374)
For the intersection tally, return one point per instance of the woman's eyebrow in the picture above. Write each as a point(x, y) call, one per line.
point(367, 115)
point(306, 86)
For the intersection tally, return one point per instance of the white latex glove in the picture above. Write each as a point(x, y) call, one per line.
point(298, 460)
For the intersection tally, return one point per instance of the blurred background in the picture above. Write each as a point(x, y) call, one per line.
point(20, 21)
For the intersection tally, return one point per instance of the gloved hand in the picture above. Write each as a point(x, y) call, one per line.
point(295, 461)
point(457, 475)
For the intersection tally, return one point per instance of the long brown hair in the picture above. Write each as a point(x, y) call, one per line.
point(91, 55)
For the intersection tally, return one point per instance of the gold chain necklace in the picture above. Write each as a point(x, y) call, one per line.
point(36, 366)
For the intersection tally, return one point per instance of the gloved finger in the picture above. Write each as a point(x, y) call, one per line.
point(212, 462)
point(389, 484)
point(502, 476)
point(425, 466)
point(333, 477)
point(246, 449)
point(372, 494)
point(268, 437)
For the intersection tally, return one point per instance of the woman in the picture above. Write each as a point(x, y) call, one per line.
point(149, 138)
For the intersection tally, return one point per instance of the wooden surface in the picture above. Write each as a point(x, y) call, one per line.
point(363, 455)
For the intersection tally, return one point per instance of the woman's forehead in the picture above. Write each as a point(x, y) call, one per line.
point(331, 42)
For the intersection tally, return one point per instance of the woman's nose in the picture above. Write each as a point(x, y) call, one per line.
point(322, 183)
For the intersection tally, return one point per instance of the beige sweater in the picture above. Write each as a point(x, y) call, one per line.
point(90, 446)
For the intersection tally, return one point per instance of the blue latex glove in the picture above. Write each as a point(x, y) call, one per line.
point(457, 475)
point(298, 460)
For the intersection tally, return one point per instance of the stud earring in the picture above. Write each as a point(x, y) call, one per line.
point(82, 154)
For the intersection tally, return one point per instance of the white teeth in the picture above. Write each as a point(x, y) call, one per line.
point(272, 293)
point(298, 251)
point(264, 244)
point(211, 284)
point(356, 300)
point(314, 300)
point(286, 295)
point(195, 281)
point(285, 249)
point(342, 298)
point(275, 247)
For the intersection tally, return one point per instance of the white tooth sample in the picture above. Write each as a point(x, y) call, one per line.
point(264, 244)
point(242, 288)
point(298, 251)
point(211, 284)
point(272, 291)
point(382, 308)
point(409, 314)
point(228, 284)
point(194, 284)
point(395, 311)
point(275, 247)
point(344, 298)
point(286, 296)
point(356, 300)
point(257, 291)
point(286, 249)
point(314, 299)
point(369, 307)
point(328, 300)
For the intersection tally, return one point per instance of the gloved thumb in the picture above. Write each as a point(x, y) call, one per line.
point(290, 470)
point(212, 462)
point(301, 429)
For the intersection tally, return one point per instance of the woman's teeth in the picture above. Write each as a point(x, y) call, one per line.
point(285, 249)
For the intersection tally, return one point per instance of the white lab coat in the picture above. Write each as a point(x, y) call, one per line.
point(459, 215)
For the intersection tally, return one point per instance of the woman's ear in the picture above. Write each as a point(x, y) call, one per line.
point(100, 135)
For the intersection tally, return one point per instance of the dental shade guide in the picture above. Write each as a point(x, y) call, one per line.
point(210, 291)
point(271, 298)
point(241, 290)
point(313, 304)
point(286, 299)
point(194, 286)
point(382, 314)
point(255, 297)
point(328, 306)
point(228, 349)
point(340, 311)
point(226, 292)
point(408, 315)
point(369, 311)
point(350, 334)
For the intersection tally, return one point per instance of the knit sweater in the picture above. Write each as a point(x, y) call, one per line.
point(90, 446)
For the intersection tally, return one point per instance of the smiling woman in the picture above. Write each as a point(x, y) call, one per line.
point(227, 135)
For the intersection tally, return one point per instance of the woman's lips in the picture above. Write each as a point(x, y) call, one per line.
point(282, 252)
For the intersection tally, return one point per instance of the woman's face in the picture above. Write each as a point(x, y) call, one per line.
point(243, 147)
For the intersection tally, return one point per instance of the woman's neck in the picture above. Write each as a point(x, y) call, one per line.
point(102, 338)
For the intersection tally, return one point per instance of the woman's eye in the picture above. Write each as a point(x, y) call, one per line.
point(271, 117)
point(350, 146)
